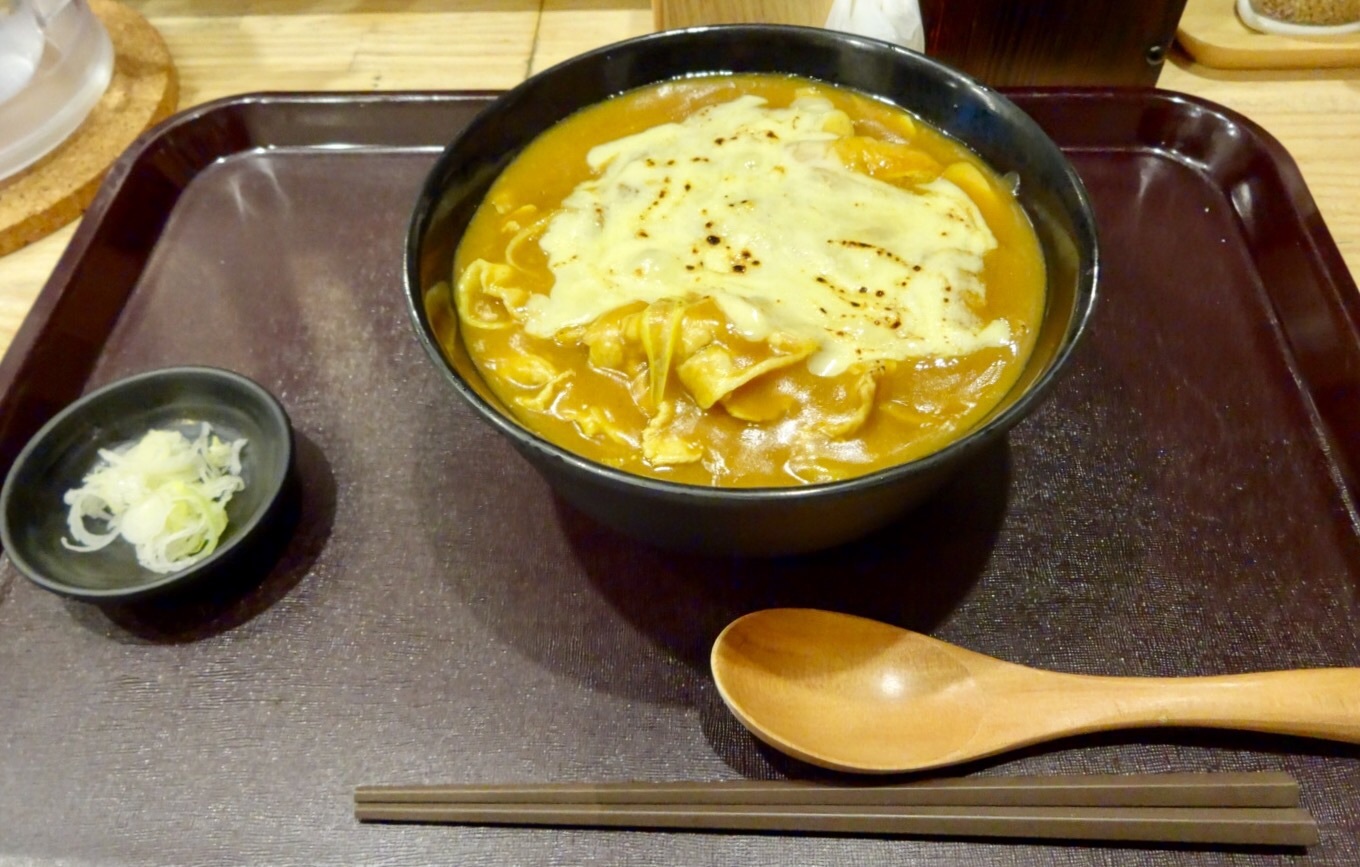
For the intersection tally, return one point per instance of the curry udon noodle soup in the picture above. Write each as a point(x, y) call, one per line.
point(748, 280)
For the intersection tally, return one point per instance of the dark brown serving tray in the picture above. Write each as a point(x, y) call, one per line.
point(1185, 504)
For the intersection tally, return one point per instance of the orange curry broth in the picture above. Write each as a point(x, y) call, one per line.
point(935, 401)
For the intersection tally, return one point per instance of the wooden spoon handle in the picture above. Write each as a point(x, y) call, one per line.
point(1319, 703)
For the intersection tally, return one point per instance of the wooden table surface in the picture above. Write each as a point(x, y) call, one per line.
point(225, 47)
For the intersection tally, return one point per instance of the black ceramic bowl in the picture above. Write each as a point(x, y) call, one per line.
point(33, 515)
point(764, 520)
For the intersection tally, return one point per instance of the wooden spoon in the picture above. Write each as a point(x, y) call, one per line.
point(853, 694)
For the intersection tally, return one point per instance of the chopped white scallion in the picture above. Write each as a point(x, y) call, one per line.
point(166, 495)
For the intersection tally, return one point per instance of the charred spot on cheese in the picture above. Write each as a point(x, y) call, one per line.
point(748, 280)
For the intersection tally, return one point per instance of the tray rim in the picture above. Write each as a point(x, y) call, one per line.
point(18, 363)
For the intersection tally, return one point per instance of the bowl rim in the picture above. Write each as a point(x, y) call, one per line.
point(278, 423)
point(1085, 294)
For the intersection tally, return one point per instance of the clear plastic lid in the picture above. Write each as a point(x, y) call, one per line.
point(55, 64)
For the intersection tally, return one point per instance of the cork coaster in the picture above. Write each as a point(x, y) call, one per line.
point(143, 89)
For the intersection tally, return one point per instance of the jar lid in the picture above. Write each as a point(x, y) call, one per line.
point(1253, 18)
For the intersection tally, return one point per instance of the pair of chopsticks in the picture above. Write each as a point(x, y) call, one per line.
point(1244, 809)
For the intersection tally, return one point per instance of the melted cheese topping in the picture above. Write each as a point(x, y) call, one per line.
point(718, 206)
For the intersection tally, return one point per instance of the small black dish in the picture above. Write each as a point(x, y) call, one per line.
point(33, 514)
